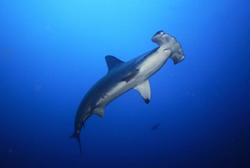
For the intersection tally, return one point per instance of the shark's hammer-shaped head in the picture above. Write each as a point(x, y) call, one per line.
point(169, 42)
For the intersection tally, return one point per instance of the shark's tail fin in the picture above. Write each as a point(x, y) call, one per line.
point(77, 137)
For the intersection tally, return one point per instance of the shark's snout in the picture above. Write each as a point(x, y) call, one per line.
point(168, 41)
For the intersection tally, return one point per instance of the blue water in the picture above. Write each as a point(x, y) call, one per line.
point(52, 52)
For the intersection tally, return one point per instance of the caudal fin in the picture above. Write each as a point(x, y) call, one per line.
point(77, 137)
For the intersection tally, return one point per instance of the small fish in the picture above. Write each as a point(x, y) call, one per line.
point(156, 126)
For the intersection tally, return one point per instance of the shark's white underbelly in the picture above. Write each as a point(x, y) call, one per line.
point(116, 91)
point(153, 63)
point(146, 69)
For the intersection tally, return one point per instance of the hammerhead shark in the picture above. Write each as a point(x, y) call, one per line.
point(123, 76)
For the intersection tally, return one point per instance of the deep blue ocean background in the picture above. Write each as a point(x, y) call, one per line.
point(52, 52)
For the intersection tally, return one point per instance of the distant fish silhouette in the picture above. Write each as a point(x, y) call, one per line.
point(123, 76)
point(156, 126)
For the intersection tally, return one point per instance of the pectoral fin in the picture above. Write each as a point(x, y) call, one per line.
point(99, 111)
point(144, 90)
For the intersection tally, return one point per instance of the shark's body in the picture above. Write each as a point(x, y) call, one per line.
point(123, 76)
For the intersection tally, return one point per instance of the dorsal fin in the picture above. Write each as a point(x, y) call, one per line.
point(113, 62)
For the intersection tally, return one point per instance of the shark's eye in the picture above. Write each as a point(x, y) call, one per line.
point(159, 32)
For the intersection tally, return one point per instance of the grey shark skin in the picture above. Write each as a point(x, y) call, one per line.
point(123, 76)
